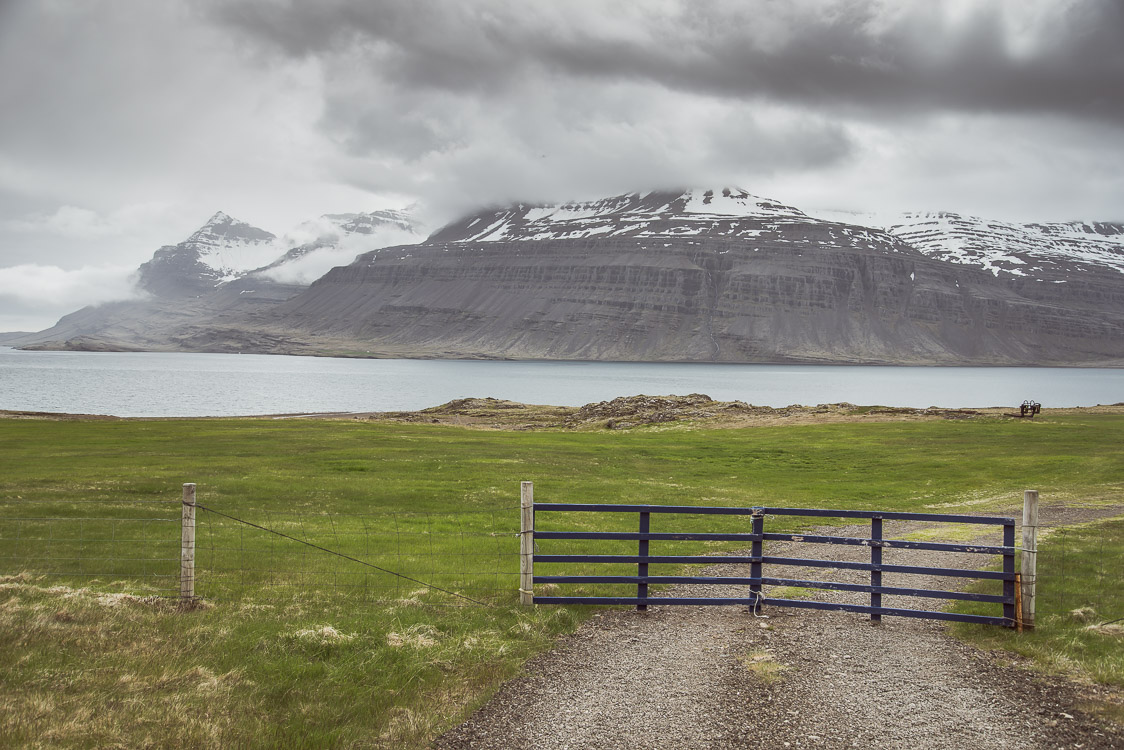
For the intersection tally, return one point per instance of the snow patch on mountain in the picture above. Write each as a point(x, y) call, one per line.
point(230, 247)
point(736, 202)
point(730, 212)
point(1005, 249)
point(226, 249)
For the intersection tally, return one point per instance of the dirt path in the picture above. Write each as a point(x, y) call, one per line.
point(718, 677)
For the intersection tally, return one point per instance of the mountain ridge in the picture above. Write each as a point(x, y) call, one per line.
point(692, 275)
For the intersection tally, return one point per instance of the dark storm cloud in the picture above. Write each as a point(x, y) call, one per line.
point(1059, 58)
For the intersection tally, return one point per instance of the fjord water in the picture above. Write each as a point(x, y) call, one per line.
point(132, 384)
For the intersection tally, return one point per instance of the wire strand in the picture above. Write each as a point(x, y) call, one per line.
point(340, 554)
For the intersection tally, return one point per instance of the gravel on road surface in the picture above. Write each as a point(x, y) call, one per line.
point(720, 677)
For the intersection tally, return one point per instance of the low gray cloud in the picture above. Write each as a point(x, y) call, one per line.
point(552, 143)
point(34, 295)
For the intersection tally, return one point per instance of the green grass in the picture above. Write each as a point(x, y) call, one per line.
point(1079, 590)
point(261, 664)
point(79, 669)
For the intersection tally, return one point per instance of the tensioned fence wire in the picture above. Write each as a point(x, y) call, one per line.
point(133, 545)
point(462, 557)
point(448, 558)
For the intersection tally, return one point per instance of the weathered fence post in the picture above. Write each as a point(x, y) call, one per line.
point(526, 542)
point(187, 545)
point(1029, 569)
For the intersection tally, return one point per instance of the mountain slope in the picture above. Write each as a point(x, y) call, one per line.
point(655, 214)
point(1047, 252)
point(695, 275)
point(691, 276)
point(204, 293)
point(221, 250)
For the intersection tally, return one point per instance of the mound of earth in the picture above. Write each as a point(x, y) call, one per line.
point(634, 411)
point(473, 406)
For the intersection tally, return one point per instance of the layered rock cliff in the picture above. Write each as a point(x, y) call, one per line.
point(696, 276)
point(691, 275)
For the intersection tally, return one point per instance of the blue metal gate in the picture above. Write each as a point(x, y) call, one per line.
point(757, 560)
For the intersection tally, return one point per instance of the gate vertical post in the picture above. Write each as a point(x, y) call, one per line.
point(1030, 557)
point(758, 530)
point(187, 545)
point(642, 567)
point(876, 567)
point(1009, 568)
point(526, 543)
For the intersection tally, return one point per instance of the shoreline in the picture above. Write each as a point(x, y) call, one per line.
point(621, 413)
point(1113, 363)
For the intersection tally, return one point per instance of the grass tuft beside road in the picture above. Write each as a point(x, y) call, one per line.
point(1079, 606)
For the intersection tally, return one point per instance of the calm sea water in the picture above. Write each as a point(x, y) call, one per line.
point(169, 385)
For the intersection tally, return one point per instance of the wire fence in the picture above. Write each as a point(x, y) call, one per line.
point(132, 545)
point(1080, 569)
point(449, 558)
point(465, 557)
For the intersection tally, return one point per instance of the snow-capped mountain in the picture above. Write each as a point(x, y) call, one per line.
point(729, 212)
point(220, 251)
point(230, 247)
point(1049, 252)
point(693, 275)
point(225, 249)
point(687, 216)
point(702, 275)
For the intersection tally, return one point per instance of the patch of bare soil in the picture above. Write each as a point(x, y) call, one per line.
point(723, 677)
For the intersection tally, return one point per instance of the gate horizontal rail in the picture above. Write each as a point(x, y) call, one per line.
point(735, 581)
point(804, 563)
point(723, 511)
point(854, 541)
point(643, 536)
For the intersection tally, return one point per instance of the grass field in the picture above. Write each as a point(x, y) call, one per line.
point(1079, 627)
point(297, 648)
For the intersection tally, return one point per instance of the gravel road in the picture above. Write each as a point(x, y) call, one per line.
point(719, 677)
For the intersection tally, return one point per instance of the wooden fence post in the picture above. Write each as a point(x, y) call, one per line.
point(1029, 569)
point(526, 543)
point(187, 545)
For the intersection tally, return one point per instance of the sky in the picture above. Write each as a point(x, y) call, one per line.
point(125, 125)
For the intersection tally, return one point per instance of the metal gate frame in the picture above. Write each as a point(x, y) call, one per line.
point(756, 560)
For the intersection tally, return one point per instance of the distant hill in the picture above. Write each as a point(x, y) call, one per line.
point(201, 294)
point(694, 275)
